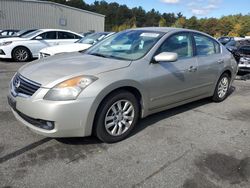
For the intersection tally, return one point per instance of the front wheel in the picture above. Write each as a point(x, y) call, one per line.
point(222, 88)
point(116, 116)
point(21, 54)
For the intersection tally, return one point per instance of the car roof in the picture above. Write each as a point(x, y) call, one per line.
point(45, 30)
point(56, 30)
point(163, 29)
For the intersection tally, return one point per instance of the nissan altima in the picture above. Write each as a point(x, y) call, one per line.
point(128, 76)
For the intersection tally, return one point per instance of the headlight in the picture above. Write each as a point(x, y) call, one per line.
point(5, 43)
point(69, 89)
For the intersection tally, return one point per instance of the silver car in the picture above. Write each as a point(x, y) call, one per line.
point(132, 74)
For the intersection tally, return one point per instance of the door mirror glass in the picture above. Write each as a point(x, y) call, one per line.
point(166, 57)
point(38, 38)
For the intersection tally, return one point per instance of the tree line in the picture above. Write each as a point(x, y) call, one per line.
point(120, 17)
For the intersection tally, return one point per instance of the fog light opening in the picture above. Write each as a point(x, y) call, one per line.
point(48, 125)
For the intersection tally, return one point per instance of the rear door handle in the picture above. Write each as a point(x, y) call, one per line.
point(192, 69)
point(220, 61)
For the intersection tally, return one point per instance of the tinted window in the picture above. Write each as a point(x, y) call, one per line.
point(245, 50)
point(48, 35)
point(180, 44)
point(204, 45)
point(66, 35)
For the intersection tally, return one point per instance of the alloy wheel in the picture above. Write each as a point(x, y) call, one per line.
point(119, 117)
point(223, 87)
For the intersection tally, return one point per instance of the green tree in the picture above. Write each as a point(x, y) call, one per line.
point(162, 22)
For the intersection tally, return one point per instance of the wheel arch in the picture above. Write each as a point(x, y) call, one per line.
point(227, 71)
point(133, 87)
point(21, 46)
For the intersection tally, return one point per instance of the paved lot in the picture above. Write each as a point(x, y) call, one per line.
point(199, 145)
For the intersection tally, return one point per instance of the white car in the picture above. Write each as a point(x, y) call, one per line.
point(79, 45)
point(28, 46)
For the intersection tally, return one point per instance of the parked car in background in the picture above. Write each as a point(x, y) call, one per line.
point(241, 51)
point(235, 44)
point(80, 45)
point(87, 33)
point(19, 33)
point(28, 46)
point(106, 89)
point(8, 32)
point(224, 40)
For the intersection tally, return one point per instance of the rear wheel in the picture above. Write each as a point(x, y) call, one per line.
point(116, 116)
point(21, 54)
point(222, 88)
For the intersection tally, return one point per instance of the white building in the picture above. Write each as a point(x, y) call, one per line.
point(26, 14)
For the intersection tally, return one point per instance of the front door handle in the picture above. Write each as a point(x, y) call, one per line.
point(192, 69)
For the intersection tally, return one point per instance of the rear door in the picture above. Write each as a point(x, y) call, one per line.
point(66, 37)
point(210, 61)
point(172, 82)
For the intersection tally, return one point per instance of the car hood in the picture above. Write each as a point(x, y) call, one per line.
point(75, 47)
point(55, 69)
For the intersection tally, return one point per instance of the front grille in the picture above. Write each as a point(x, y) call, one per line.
point(43, 55)
point(22, 85)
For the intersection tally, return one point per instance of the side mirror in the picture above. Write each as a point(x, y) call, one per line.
point(166, 56)
point(38, 38)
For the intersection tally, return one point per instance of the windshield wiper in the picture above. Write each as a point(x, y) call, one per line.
point(99, 55)
point(115, 57)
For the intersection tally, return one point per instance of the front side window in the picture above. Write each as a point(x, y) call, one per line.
point(204, 45)
point(48, 35)
point(126, 45)
point(179, 43)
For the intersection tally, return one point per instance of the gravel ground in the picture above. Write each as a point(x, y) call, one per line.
point(198, 145)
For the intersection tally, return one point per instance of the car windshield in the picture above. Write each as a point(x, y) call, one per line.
point(231, 43)
point(92, 38)
point(29, 35)
point(19, 33)
point(126, 45)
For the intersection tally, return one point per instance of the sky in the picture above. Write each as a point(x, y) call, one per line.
point(199, 8)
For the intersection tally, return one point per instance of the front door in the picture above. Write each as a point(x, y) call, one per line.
point(172, 82)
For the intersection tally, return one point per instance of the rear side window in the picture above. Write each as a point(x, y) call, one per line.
point(217, 47)
point(205, 45)
point(180, 43)
point(66, 35)
point(48, 35)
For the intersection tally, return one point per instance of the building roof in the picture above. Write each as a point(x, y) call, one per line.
point(58, 4)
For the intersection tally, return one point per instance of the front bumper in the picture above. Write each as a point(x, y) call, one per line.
point(244, 68)
point(5, 52)
point(70, 118)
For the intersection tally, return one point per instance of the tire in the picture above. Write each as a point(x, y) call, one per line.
point(121, 110)
point(222, 88)
point(21, 54)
